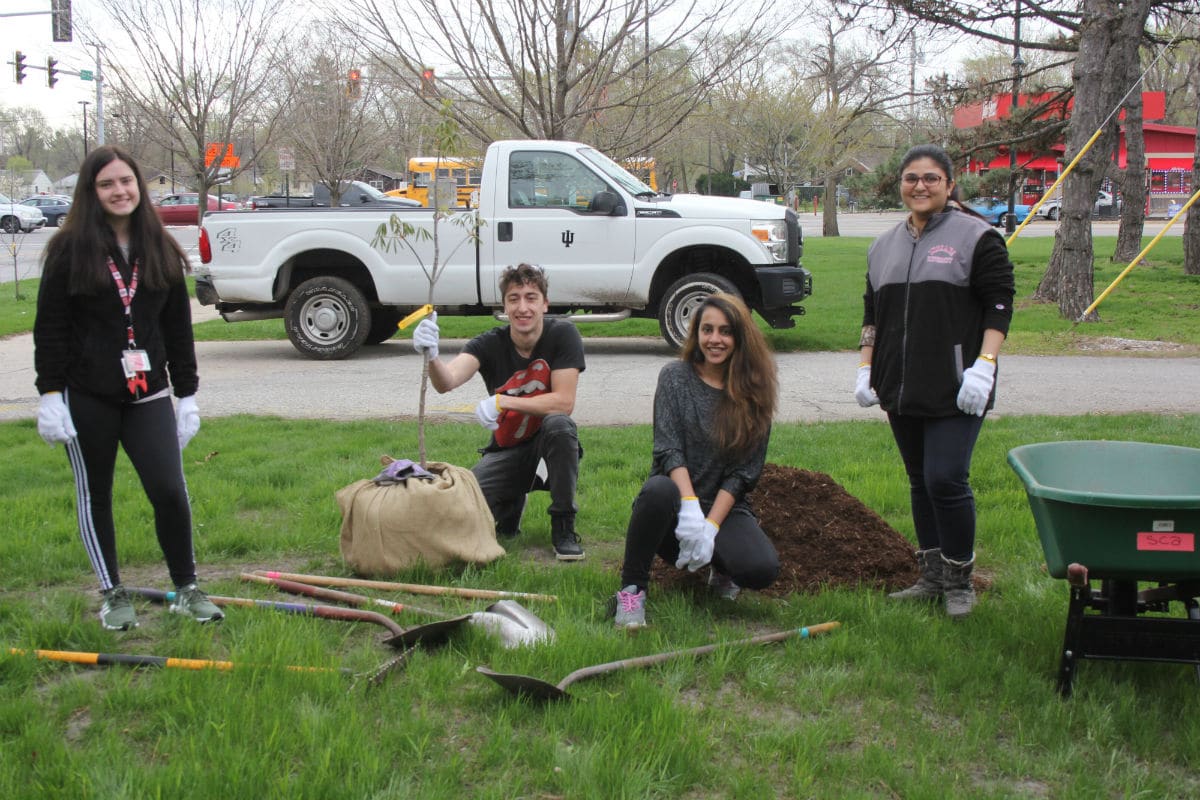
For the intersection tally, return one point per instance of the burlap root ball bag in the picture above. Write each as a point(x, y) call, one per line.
point(436, 522)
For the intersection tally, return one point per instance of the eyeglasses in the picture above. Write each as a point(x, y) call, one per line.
point(929, 179)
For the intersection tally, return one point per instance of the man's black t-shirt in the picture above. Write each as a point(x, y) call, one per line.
point(505, 371)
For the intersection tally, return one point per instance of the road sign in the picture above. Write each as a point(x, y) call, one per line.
point(86, 75)
point(287, 159)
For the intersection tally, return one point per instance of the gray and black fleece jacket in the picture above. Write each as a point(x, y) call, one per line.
point(78, 338)
point(930, 298)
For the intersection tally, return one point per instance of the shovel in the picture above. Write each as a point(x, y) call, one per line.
point(508, 620)
point(538, 689)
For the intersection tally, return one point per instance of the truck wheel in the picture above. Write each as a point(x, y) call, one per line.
point(383, 325)
point(683, 298)
point(327, 318)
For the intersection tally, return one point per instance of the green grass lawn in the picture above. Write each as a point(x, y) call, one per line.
point(899, 702)
point(1156, 301)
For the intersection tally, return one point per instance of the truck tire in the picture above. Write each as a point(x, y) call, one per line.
point(683, 298)
point(383, 325)
point(327, 318)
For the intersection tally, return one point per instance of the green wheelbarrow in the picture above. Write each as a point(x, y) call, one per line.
point(1120, 513)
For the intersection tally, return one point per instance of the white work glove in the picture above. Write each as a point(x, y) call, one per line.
point(696, 536)
point(187, 420)
point(54, 419)
point(425, 336)
point(863, 392)
point(488, 412)
point(976, 387)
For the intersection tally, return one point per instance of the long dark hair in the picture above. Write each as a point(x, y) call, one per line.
point(85, 240)
point(751, 385)
point(942, 159)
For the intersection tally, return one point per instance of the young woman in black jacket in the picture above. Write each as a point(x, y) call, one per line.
point(935, 313)
point(112, 339)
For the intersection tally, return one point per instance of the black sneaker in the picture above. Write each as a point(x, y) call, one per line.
point(567, 547)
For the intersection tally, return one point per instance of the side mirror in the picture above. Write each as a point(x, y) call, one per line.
point(607, 204)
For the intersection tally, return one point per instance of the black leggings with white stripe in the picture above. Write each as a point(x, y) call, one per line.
point(146, 431)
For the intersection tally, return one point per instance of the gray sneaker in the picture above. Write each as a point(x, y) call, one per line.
point(116, 613)
point(631, 608)
point(722, 585)
point(191, 602)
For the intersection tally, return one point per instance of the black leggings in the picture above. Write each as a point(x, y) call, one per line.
point(147, 433)
point(742, 551)
point(937, 457)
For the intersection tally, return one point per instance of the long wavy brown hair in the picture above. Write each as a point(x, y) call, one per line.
point(751, 391)
point(85, 240)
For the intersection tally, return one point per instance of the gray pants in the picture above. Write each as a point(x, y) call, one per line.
point(505, 476)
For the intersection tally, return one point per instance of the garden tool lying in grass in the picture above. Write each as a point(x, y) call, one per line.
point(409, 588)
point(538, 689)
point(508, 620)
point(109, 659)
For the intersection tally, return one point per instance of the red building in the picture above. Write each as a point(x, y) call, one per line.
point(1170, 149)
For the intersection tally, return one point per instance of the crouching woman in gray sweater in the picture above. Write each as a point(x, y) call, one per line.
point(712, 422)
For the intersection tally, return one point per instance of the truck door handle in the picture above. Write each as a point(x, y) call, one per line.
point(504, 231)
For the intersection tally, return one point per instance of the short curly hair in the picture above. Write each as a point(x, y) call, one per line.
point(524, 275)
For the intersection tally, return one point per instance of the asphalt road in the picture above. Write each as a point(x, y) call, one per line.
point(271, 378)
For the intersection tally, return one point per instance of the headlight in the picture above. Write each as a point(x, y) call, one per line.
point(773, 234)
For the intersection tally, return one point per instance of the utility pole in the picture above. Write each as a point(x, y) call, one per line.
point(84, 103)
point(1010, 221)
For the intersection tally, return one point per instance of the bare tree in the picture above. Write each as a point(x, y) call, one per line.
point(203, 71)
point(1191, 229)
point(569, 69)
point(1133, 182)
point(336, 125)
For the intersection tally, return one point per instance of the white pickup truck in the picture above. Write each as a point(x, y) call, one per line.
point(611, 247)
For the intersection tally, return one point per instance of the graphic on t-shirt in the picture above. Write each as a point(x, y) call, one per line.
point(516, 426)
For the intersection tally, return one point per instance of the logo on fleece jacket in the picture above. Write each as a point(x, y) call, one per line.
point(515, 426)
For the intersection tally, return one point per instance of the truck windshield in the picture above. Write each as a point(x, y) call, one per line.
point(615, 171)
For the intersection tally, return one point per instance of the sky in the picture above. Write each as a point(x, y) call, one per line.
point(32, 36)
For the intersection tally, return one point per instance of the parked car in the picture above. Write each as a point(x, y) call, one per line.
point(355, 194)
point(1103, 207)
point(180, 209)
point(17, 217)
point(994, 209)
point(54, 207)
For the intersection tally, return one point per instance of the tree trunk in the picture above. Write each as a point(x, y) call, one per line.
point(829, 223)
point(1133, 184)
point(1108, 45)
point(1191, 225)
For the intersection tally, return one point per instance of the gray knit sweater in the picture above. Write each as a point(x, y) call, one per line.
point(684, 407)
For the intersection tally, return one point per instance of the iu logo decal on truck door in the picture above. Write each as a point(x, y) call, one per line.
point(568, 238)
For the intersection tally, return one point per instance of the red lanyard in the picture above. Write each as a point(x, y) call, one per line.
point(126, 295)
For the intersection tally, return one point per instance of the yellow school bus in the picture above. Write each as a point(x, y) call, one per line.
point(461, 173)
point(644, 169)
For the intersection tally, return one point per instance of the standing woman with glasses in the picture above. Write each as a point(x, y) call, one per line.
point(112, 339)
point(935, 314)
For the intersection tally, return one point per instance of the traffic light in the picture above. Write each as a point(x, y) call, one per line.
point(428, 88)
point(19, 66)
point(51, 71)
point(354, 84)
point(60, 20)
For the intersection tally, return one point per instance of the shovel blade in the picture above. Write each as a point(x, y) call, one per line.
point(513, 624)
point(429, 633)
point(525, 686)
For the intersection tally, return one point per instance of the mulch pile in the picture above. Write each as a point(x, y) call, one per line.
point(825, 537)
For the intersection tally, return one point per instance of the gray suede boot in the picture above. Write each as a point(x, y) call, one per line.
point(959, 591)
point(929, 585)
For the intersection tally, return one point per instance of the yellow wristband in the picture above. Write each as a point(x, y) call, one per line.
point(864, 364)
point(988, 357)
point(693, 497)
point(709, 520)
point(498, 408)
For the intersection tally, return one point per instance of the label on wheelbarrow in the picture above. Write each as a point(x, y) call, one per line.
point(1169, 541)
